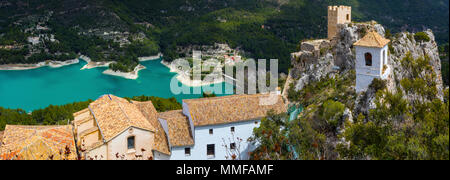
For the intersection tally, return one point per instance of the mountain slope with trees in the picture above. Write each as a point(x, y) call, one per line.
point(262, 28)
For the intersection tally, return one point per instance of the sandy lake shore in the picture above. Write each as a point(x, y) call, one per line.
point(150, 58)
point(129, 75)
point(50, 63)
point(90, 64)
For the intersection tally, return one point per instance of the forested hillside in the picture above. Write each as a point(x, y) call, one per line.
point(262, 28)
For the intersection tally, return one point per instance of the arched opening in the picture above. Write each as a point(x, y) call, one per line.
point(368, 57)
point(348, 17)
point(131, 142)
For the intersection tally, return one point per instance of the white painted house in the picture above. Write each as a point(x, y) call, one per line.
point(114, 128)
point(208, 128)
point(216, 128)
point(372, 60)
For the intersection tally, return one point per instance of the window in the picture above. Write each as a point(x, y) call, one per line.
point(232, 129)
point(187, 151)
point(384, 57)
point(210, 150)
point(233, 146)
point(368, 57)
point(131, 144)
point(211, 131)
point(348, 17)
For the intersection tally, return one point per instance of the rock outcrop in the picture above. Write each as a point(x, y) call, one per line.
point(312, 63)
point(405, 43)
point(321, 58)
point(324, 58)
point(347, 35)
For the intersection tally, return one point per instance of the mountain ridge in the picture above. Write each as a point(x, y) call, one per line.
point(263, 28)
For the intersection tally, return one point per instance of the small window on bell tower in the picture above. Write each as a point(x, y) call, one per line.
point(368, 58)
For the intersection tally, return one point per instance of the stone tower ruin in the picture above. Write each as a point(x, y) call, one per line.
point(338, 15)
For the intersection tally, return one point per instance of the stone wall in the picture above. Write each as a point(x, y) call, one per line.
point(338, 15)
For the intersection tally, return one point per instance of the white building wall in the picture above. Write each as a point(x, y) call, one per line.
point(143, 139)
point(366, 74)
point(99, 153)
point(243, 130)
point(160, 156)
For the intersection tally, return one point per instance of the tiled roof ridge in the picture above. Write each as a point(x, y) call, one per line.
point(377, 39)
point(127, 112)
point(25, 148)
point(51, 138)
point(124, 112)
point(372, 39)
point(88, 131)
point(84, 120)
point(223, 97)
point(35, 131)
point(38, 126)
point(96, 122)
point(174, 128)
point(81, 112)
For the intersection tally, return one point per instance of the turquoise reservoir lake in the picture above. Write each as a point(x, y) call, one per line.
point(39, 88)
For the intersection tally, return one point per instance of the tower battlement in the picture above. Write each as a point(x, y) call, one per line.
point(338, 15)
point(340, 8)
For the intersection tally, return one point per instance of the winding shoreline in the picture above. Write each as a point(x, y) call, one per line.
point(90, 65)
point(150, 58)
point(49, 63)
point(127, 75)
point(184, 79)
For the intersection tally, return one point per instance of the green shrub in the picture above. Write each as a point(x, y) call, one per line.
point(391, 48)
point(332, 112)
point(377, 84)
point(422, 36)
point(388, 34)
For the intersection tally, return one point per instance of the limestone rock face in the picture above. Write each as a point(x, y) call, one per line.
point(405, 43)
point(321, 58)
point(402, 44)
point(310, 66)
point(347, 36)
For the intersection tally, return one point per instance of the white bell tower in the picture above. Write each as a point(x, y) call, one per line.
point(371, 60)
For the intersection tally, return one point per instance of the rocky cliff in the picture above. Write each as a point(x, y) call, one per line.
point(321, 58)
point(318, 59)
point(323, 71)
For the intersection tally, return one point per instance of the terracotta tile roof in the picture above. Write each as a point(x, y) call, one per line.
point(235, 108)
point(372, 39)
point(161, 143)
point(82, 119)
point(94, 146)
point(114, 115)
point(81, 112)
point(1, 137)
point(179, 128)
point(38, 143)
point(88, 131)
